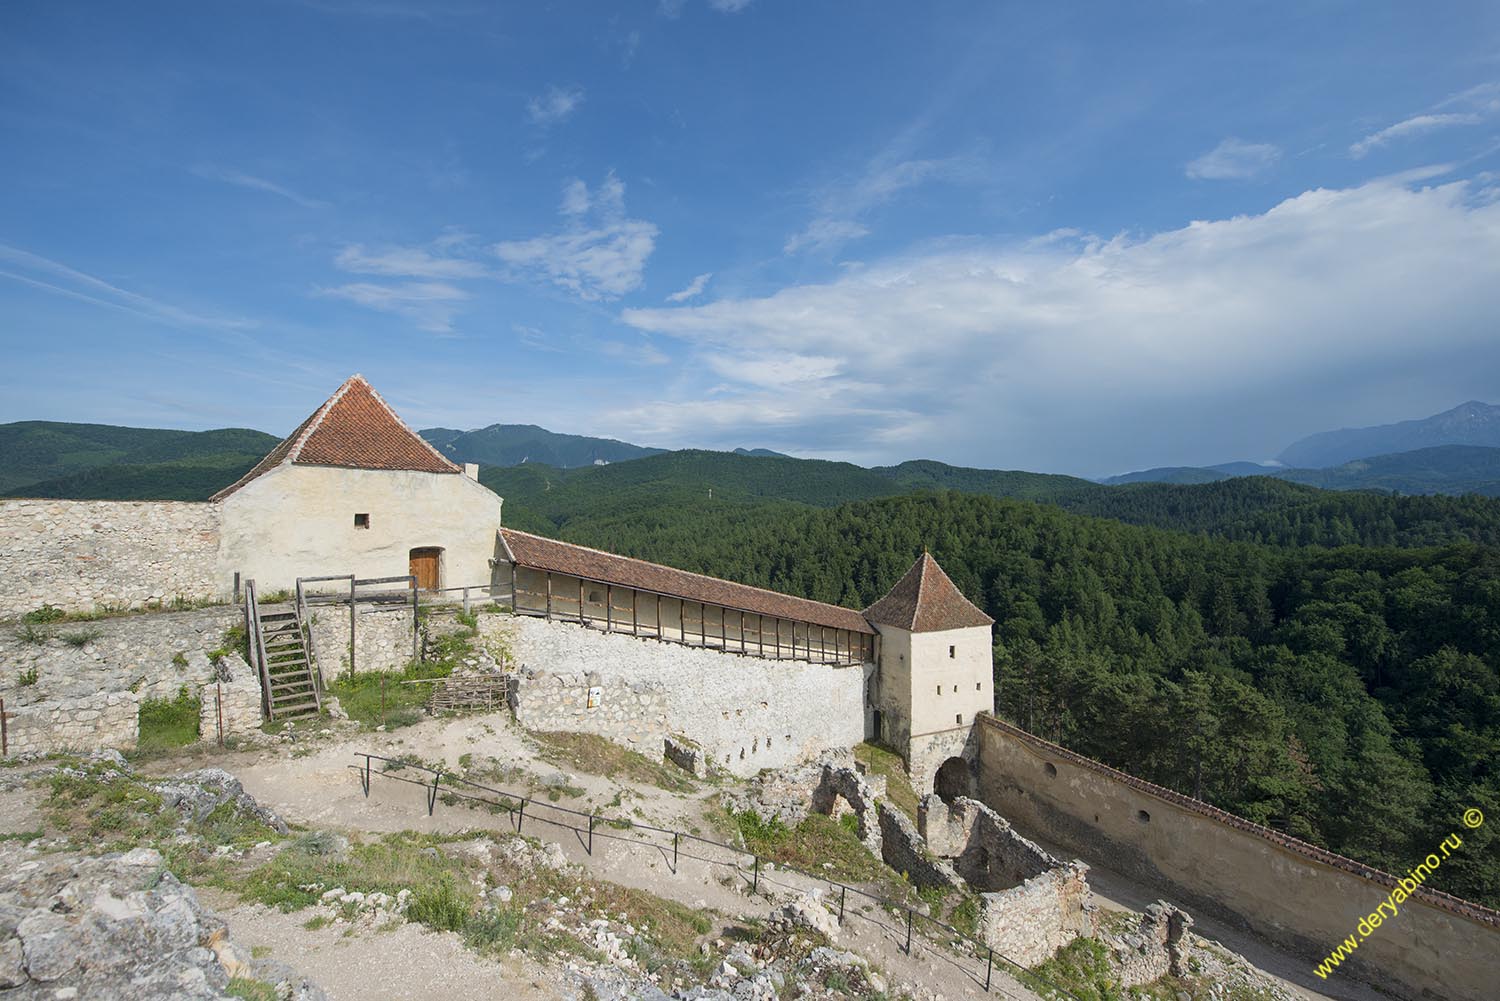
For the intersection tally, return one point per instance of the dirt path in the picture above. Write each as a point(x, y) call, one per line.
point(319, 789)
point(405, 963)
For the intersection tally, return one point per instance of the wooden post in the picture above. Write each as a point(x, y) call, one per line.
point(4, 730)
point(723, 628)
point(514, 606)
point(351, 626)
point(609, 608)
point(658, 618)
point(549, 595)
point(742, 632)
point(760, 634)
point(778, 639)
point(682, 619)
point(218, 709)
point(466, 599)
point(416, 650)
point(580, 600)
point(635, 619)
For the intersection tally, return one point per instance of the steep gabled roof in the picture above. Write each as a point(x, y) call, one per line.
point(354, 429)
point(539, 553)
point(925, 601)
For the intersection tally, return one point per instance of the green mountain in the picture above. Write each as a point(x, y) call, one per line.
point(1442, 469)
point(43, 458)
point(516, 444)
point(1471, 423)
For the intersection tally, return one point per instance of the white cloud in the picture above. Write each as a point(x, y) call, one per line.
point(243, 180)
point(556, 105)
point(825, 234)
point(694, 288)
point(430, 305)
point(600, 255)
point(1414, 126)
point(729, 6)
point(406, 262)
point(1013, 353)
point(1233, 159)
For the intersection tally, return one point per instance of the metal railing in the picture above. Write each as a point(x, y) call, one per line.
point(446, 784)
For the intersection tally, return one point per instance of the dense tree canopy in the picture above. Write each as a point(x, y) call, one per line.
point(1348, 696)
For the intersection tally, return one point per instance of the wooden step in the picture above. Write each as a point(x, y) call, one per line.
point(307, 709)
point(277, 616)
point(288, 686)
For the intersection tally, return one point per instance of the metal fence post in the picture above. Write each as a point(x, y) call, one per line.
point(432, 793)
point(675, 836)
point(843, 891)
point(591, 828)
point(989, 965)
point(908, 930)
point(755, 882)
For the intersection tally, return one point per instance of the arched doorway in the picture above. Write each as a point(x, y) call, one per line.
point(954, 779)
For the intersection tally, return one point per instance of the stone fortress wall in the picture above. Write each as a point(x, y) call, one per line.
point(79, 685)
point(744, 712)
point(82, 555)
point(1274, 886)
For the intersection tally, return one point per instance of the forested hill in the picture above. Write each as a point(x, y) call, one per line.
point(1258, 509)
point(1350, 697)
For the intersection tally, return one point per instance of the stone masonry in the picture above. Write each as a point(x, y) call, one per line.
point(745, 713)
point(382, 638)
point(104, 719)
point(82, 555)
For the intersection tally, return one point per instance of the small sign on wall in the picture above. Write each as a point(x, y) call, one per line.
point(596, 694)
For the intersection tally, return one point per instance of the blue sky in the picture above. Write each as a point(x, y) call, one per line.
point(1069, 237)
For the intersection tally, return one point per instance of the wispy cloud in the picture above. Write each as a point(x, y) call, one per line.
point(1234, 160)
point(954, 352)
point(729, 6)
point(1413, 126)
point(843, 203)
point(430, 305)
point(694, 288)
point(1470, 107)
point(825, 234)
point(555, 105)
point(60, 279)
point(406, 262)
point(244, 180)
point(600, 254)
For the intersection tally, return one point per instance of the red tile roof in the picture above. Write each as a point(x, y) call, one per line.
point(540, 553)
point(354, 429)
point(925, 601)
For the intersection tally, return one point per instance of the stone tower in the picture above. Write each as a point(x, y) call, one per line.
point(934, 674)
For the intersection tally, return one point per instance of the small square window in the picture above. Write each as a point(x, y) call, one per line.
point(940, 689)
point(958, 718)
point(978, 686)
point(952, 652)
point(361, 521)
point(955, 689)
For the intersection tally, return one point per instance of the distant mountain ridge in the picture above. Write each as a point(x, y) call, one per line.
point(517, 444)
point(1471, 423)
point(1442, 469)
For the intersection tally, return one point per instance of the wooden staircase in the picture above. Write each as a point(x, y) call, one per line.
point(291, 687)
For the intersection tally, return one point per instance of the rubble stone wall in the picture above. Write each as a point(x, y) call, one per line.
point(105, 719)
point(82, 555)
point(382, 638)
point(745, 713)
point(1030, 922)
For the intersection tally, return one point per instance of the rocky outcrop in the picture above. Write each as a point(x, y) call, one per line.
point(116, 926)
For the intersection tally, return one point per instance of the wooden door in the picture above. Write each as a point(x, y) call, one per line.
point(424, 567)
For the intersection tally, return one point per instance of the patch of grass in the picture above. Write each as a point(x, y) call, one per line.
point(884, 761)
point(169, 723)
point(47, 613)
point(1082, 969)
point(233, 641)
point(179, 659)
point(252, 990)
point(819, 844)
point(24, 837)
point(587, 752)
point(29, 633)
point(319, 921)
point(259, 951)
point(80, 638)
point(360, 696)
point(27, 677)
